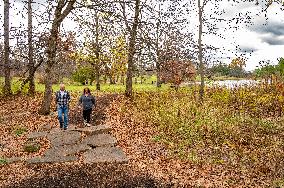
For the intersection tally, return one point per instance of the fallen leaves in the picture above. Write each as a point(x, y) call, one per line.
point(153, 160)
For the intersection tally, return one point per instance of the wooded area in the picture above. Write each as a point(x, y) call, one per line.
point(157, 81)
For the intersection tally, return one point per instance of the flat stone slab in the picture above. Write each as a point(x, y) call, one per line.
point(105, 155)
point(52, 159)
point(64, 138)
point(35, 135)
point(46, 127)
point(100, 140)
point(55, 130)
point(67, 150)
point(15, 159)
point(92, 130)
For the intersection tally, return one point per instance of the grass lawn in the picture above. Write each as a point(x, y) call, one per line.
point(105, 88)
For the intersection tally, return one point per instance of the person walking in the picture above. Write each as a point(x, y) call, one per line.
point(88, 101)
point(62, 102)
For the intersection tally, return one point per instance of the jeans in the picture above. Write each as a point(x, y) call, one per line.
point(63, 110)
point(87, 115)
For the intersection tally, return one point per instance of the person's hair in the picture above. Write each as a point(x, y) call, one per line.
point(87, 90)
point(62, 86)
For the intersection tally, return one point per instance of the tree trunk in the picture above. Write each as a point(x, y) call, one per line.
point(51, 54)
point(131, 51)
point(122, 79)
point(45, 108)
point(7, 86)
point(158, 67)
point(158, 77)
point(31, 61)
point(201, 65)
point(111, 79)
point(98, 86)
point(32, 73)
point(105, 79)
point(117, 78)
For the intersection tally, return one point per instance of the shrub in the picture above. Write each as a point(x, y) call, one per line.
point(83, 74)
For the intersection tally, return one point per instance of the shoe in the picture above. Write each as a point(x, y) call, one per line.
point(61, 126)
point(85, 123)
point(65, 128)
point(88, 125)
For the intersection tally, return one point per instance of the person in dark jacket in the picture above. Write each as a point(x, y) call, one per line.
point(88, 101)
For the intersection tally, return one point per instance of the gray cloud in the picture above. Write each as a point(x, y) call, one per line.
point(273, 28)
point(247, 49)
point(271, 32)
point(272, 40)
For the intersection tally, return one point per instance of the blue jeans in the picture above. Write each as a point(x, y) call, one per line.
point(63, 110)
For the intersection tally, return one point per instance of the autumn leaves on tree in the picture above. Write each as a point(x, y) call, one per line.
point(117, 40)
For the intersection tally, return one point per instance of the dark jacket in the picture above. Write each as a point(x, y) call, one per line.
point(87, 101)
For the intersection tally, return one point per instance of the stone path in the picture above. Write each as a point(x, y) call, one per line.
point(90, 144)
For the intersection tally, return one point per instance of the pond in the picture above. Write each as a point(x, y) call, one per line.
point(227, 83)
point(234, 83)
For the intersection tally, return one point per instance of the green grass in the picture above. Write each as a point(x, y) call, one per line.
point(18, 131)
point(105, 88)
point(15, 85)
point(147, 79)
point(278, 184)
point(3, 161)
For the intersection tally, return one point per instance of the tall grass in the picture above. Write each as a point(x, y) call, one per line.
point(240, 127)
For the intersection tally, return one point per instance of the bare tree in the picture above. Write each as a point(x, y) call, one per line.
point(131, 50)
point(7, 86)
point(200, 55)
point(97, 54)
point(62, 9)
point(30, 53)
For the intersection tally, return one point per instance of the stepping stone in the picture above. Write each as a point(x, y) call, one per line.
point(15, 159)
point(35, 135)
point(105, 155)
point(92, 130)
point(67, 150)
point(100, 140)
point(46, 127)
point(52, 159)
point(55, 130)
point(64, 138)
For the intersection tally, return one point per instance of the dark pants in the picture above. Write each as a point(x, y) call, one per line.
point(87, 115)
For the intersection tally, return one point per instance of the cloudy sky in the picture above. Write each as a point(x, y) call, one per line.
point(263, 39)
